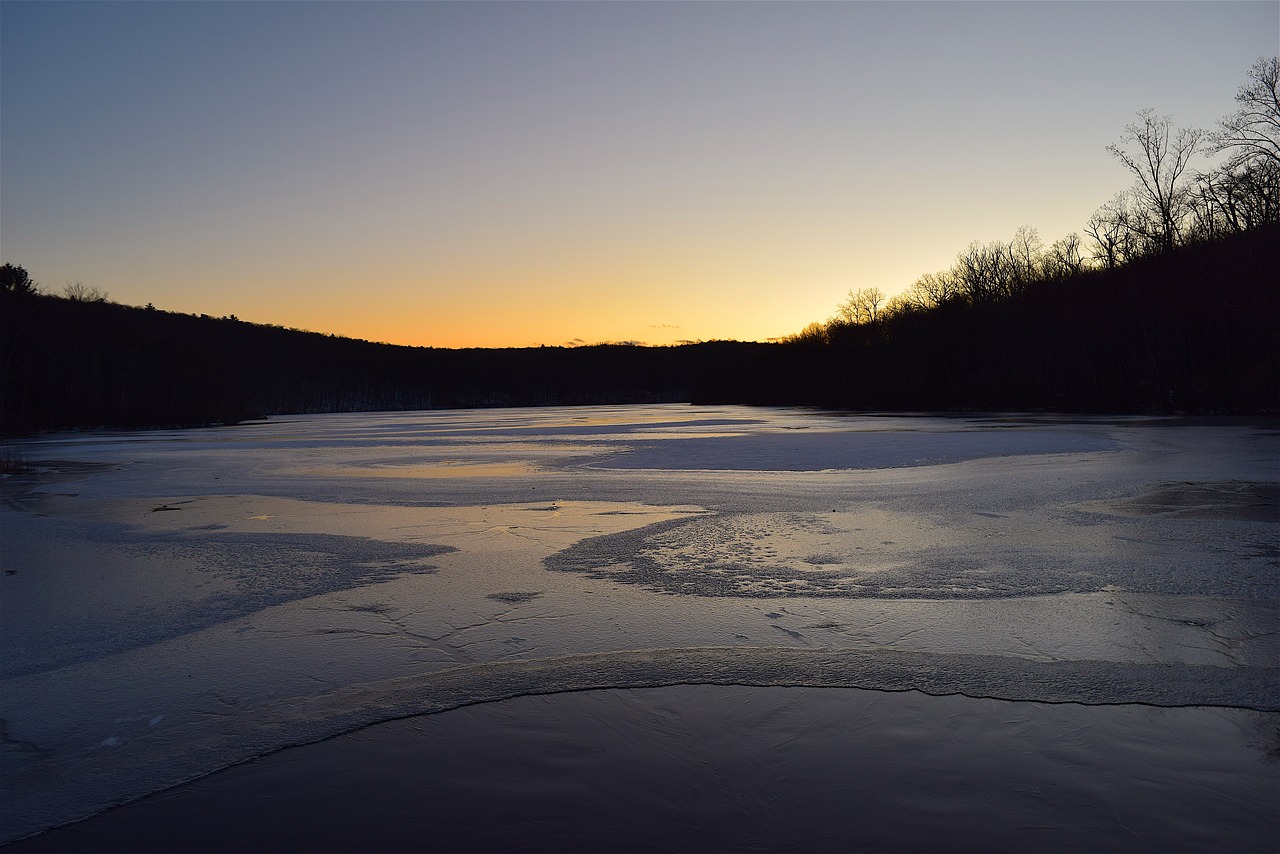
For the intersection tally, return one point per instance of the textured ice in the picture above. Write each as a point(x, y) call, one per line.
point(174, 602)
point(146, 587)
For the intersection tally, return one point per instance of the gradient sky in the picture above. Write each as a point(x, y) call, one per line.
point(509, 174)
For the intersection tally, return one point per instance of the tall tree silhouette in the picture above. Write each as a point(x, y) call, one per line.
point(861, 306)
point(1253, 130)
point(1158, 157)
point(1245, 191)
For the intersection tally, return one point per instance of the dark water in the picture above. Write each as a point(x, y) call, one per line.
point(713, 768)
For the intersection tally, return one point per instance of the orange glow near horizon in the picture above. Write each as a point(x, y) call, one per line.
point(542, 314)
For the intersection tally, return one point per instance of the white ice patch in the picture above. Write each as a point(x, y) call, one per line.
point(318, 573)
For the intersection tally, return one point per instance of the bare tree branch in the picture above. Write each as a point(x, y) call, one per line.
point(1159, 160)
point(1253, 130)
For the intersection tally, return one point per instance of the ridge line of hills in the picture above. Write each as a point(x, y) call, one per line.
point(1195, 329)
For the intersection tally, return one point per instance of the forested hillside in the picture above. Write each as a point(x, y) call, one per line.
point(1193, 329)
point(1190, 330)
point(75, 363)
point(1167, 303)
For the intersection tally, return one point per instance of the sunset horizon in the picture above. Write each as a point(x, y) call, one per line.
point(512, 175)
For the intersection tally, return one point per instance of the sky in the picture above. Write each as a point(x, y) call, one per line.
point(494, 174)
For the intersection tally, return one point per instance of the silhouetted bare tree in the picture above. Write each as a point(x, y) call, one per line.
point(934, 289)
point(1025, 253)
point(1119, 231)
point(80, 292)
point(1159, 157)
point(814, 333)
point(861, 306)
point(995, 271)
point(1227, 201)
point(1245, 191)
point(1065, 257)
point(1253, 130)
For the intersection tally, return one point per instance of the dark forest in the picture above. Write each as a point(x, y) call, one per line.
point(1193, 329)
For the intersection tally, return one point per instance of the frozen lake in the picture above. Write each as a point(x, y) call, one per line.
point(1030, 631)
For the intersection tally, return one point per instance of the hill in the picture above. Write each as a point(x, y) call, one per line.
point(1193, 329)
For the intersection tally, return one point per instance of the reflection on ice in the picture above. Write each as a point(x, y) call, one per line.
point(316, 574)
point(715, 768)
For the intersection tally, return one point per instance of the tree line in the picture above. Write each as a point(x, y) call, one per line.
point(1167, 303)
point(1168, 205)
point(74, 363)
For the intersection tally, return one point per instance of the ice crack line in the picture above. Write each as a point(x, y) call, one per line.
point(208, 742)
point(1230, 644)
point(1084, 682)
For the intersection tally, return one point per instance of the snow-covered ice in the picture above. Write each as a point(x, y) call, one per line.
point(174, 602)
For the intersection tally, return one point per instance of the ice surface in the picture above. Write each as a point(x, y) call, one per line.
point(703, 768)
point(174, 602)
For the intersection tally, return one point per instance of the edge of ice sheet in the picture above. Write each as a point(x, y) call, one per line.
point(846, 450)
point(52, 790)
